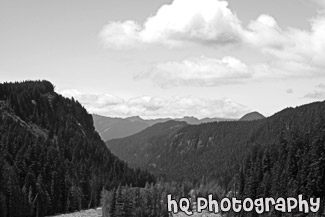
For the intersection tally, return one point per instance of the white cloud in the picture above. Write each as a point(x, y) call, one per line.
point(121, 34)
point(156, 107)
point(289, 52)
point(205, 71)
point(197, 21)
point(307, 47)
point(292, 53)
point(212, 22)
point(316, 95)
point(200, 71)
point(92, 100)
point(264, 32)
point(303, 49)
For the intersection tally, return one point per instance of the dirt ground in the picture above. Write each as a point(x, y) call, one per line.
point(98, 213)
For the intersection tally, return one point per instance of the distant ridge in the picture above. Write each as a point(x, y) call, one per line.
point(114, 128)
point(252, 116)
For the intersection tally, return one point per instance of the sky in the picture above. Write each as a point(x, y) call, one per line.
point(169, 58)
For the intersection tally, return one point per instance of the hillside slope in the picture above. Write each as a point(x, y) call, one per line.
point(215, 150)
point(51, 158)
point(112, 128)
point(138, 149)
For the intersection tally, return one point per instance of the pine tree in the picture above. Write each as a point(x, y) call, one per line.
point(120, 203)
point(112, 202)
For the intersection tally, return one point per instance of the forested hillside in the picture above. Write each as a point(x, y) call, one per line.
point(217, 150)
point(280, 156)
point(294, 165)
point(138, 149)
point(51, 158)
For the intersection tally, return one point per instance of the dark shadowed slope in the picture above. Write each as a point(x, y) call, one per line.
point(51, 158)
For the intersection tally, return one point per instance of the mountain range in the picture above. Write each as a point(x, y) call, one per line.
point(112, 128)
point(218, 150)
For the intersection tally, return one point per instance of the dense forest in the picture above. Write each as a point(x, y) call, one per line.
point(293, 166)
point(51, 158)
point(151, 201)
point(283, 155)
point(136, 202)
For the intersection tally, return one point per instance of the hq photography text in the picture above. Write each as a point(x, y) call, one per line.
point(259, 205)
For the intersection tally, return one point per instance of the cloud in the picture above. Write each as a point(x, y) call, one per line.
point(289, 50)
point(264, 32)
point(157, 107)
point(322, 86)
point(206, 71)
point(301, 46)
point(289, 91)
point(291, 53)
point(286, 52)
point(121, 34)
point(211, 22)
point(182, 21)
point(92, 100)
point(202, 71)
point(316, 95)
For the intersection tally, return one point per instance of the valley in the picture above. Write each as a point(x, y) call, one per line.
point(53, 161)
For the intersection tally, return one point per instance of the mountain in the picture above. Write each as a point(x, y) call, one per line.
point(252, 116)
point(139, 148)
point(51, 158)
point(190, 120)
point(149, 122)
point(219, 150)
point(112, 128)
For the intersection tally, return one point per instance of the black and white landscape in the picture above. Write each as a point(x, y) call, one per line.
point(106, 107)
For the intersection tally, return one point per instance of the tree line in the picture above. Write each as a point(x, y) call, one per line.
point(151, 200)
